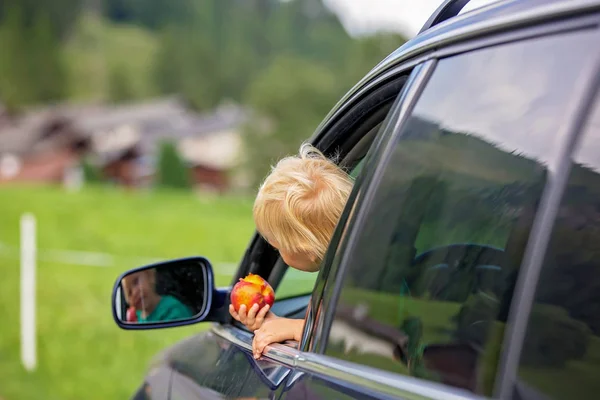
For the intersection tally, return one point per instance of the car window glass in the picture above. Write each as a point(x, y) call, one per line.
point(561, 352)
point(428, 282)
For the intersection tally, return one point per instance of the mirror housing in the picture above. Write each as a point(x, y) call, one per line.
point(167, 294)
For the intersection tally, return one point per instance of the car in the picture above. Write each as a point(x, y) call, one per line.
point(466, 264)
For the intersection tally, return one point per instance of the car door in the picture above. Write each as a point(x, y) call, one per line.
point(219, 363)
point(420, 287)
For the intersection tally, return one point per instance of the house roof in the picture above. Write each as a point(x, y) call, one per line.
point(115, 128)
point(35, 132)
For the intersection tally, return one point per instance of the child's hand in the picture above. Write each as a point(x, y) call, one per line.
point(276, 330)
point(254, 318)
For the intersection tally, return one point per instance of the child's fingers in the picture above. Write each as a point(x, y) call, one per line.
point(251, 320)
point(259, 347)
point(255, 352)
point(252, 313)
point(260, 317)
point(233, 313)
point(242, 314)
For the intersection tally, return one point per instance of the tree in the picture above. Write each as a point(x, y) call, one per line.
point(172, 172)
point(34, 72)
point(47, 67)
point(119, 85)
point(61, 14)
point(91, 173)
point(152, 14)
point(186, 65)
point(16, 88)
point(293, 95)
point(366, 52)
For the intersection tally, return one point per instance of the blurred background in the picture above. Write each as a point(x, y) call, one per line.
point(138, 130)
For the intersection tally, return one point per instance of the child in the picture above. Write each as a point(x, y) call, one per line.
point(296, 211)
point(140, 292)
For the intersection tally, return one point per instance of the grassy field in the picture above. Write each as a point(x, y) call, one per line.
point(81, 352)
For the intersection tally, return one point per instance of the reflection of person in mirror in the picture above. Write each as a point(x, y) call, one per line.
point(296, 210)
point(140, 293)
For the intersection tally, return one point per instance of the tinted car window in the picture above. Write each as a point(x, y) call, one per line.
point(561, 353)
point(428, 285)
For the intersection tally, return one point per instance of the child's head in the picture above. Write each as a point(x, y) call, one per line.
point(299, 205)
point(139, 289)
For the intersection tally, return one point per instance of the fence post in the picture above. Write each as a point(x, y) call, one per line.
point(28, 291)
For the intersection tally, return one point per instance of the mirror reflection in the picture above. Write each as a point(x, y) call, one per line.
point(169, 292)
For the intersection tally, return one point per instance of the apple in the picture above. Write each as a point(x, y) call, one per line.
point(252, 290)
point(131, 316)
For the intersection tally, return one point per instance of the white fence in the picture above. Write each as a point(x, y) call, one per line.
point(28, 255)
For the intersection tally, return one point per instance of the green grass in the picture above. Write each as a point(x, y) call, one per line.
point(82, 354)
point(577, 380)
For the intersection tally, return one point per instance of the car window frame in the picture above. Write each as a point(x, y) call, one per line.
point(586, 93)
point(318, 324)
point(329, 142)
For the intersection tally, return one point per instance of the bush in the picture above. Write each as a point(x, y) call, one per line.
point(553, 338)
point(172, 171)
point(91, 173)
point(475, 318)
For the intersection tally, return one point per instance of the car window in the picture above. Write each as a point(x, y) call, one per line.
point(561, 352)
point(428, 283)
point(297, 282)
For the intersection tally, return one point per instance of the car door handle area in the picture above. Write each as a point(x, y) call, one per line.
point(277, 361)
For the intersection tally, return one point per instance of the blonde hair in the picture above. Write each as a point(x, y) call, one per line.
point(300, 203)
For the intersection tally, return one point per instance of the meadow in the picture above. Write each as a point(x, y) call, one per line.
point(81, 352)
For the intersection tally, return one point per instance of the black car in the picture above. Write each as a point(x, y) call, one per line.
point(467, 262)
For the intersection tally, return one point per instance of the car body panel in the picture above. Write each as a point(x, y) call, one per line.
point(208, 366)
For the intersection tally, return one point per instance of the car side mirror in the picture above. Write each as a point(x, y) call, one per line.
point(167, 294)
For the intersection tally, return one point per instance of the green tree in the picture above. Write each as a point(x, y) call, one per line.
point(91, 173)
point(292, 96)
point(16, 87)
point(172, 172)
point(185, 64)
point(33, 70)
point(47, 67)
point(119, 85)
point(366, 52)
point(61, 14)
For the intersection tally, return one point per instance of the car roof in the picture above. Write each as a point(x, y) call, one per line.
point(498, 16)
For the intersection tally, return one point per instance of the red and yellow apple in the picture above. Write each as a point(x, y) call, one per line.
point(252, 290)
point(131, 316)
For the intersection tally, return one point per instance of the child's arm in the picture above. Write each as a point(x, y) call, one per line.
point(276, 330)
point(254, 318)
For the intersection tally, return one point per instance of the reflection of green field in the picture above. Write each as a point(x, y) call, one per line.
point(578, 380)
point(372, 360)
point(82, 354)
point(393, 309)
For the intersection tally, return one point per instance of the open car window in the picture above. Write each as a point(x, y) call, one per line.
point(297, 283)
